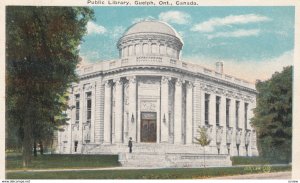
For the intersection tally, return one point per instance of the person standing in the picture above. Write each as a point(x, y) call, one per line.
point(130, 145)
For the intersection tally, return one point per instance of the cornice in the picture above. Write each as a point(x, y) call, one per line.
point(172, 69)
point(153, 37)
point(148, 36)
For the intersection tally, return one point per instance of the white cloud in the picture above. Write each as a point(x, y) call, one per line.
point(176, 17)
point(211, 24)
point(117, 31)
point(249, 70)
point(83, 62)
point(139, 19)
point(236, 33)
point(93, 28)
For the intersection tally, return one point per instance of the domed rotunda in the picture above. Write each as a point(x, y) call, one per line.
point(151, 96)
point(150, 38)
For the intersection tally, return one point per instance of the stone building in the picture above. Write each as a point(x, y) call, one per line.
point(153, 96)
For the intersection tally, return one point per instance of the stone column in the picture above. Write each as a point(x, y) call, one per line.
point(72, 117)
point(242, 126)
point(223, 149)
point(81, 120)
point(212, 121)
point(93, 117)
point(132, 112)
point(164, 109)
point(119, 111)
point(99, 104)
point(250, 112)
point(107, 113)
point(202, 107)
point(177, 112)
point(232, 124)
point(197, 100)
point(189, 113)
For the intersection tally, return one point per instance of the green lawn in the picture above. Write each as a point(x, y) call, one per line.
point(180, 173)
point(256, 160)
point(14, 162)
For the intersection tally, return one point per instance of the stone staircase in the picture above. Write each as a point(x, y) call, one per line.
point(161, 155)
point(143, 147)
point(143, 160)
point(173, 160)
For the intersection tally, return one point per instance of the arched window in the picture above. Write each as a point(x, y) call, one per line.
point(145, 49)
point(154, 49)
point(125, 50)
point(162, 49)
point(138, 50)
point(169, 51)
point(130, 50)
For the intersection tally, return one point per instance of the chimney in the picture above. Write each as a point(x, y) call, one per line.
point(219, 67)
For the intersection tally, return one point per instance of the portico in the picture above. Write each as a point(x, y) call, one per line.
point(141, 109)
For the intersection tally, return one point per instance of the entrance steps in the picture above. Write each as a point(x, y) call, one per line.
point(173, 160)
point(161, 155)
point(145, 147)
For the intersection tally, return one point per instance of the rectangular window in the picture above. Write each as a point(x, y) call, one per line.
point(246, 115)
point(77, 107)
point(218, 100)
point(88, 107)
point(237, 106)
point(206, 109)
point(227, 112)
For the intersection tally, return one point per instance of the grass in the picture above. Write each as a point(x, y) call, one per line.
point(238, 160)
point(180, 173)
point(14, 161)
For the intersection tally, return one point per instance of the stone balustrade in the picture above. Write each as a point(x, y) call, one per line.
point(160, 61)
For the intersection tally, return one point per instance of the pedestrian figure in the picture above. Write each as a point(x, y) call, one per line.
point(130, 145)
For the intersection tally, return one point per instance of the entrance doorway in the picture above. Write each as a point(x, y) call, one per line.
point(148, 127)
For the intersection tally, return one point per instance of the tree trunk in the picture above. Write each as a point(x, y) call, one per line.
point(41, 148)
point(34, 149)
point(27, 140)
point(27, 145)
point(204, 155)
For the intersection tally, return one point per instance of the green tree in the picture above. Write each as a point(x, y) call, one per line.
point(41, 59)
point(203, 139)
point(273, 115)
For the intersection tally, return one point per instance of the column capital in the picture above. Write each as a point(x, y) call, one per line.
point(190, 85)
point(179, 82)
point(131, 79)
point(165, 79)
point(118, 81)
point(107, 83)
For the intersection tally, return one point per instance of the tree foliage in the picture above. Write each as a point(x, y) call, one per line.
point(273, 115)
point(41, 58)
point(203, 139)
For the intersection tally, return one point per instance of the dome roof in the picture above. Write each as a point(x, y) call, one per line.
point(151, 26)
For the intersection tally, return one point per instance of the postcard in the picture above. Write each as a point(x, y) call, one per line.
point(121, 89)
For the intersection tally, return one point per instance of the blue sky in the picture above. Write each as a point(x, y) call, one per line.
point(259, 39)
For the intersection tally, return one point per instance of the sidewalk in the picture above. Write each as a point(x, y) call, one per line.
point(273, 175)
point(121, 168)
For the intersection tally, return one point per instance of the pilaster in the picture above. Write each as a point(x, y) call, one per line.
point(132, 110)
point(177, 112)
point(189, 113)
point(197, 100)
point(107, 112)
point(164, 109)
point(223, 148)
point(119, 111)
